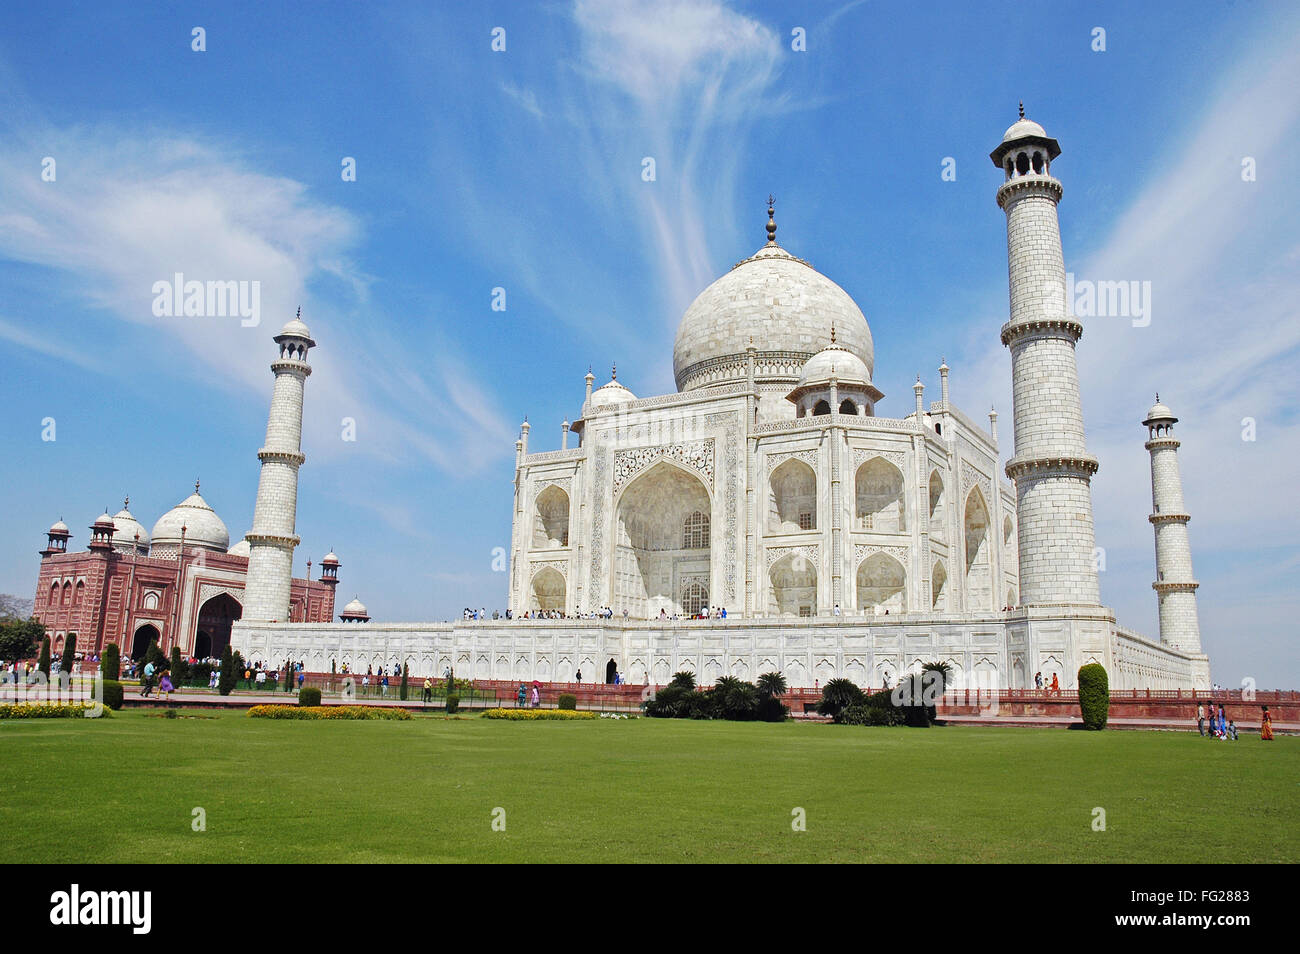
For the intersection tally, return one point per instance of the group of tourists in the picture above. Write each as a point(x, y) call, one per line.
point(1210, 723)
point(164, 677)
point(522, 696)
point(1053, 688)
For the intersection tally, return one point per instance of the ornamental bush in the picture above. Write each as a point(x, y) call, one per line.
point(226, 681)
point(568, 701)
point(336, 713)
point(112, 693)
point(536, 715)
point(43, 663)
point(839, 694)
point(69, 654)
point(453, 703)
point(401, 691)
point(309, 696)
point(157, 657)
point(37, 710)
point(110, 664)
point(1094, 696)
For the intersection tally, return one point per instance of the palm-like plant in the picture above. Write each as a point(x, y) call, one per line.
point(772, 684)
point(838, 695)
point(942, 674)
point(683, 679)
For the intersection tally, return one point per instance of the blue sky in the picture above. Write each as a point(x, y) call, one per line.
point(522, 170)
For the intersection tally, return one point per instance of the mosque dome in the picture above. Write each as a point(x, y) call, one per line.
point(203, 528)
point(296, 328)
point(612, 393)
point(104, 520)
point(781, 304)
point(330, 557)
point(59, 526)
point(1021, 128)
point(1159, 412)
point(241, 549)
point(127, 527)
point(355, 610)
point(846, 366)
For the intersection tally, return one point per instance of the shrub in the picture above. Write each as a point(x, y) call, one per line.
point(229, 675)
point(837, 695)
point(309, 696)
point(401, 692)
point(110, 664)
point(535, 715)
point(113, 693)
point(179, 667)
point(772, 684)
point(1094, 696)
point(684, 679)
point(772, 709)
point(335, 713)
point(568, 701)
point(453, 703)
point(43, 663)
point(674, 701)
point(37, 710)
point(69, 653)
point(154, 655)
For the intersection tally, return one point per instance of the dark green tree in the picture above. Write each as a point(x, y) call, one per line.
point(43, 664)
point(401, 694)
point(19, 638)
point(156, 656)
point(683, 679)
point(228, 678)
point(772, 684)
point(1094, 696)
point(110, 663)
point(838, 695)
point(69, 654)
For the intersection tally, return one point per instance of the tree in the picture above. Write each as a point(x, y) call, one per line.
point(110, 664)
point(69, 654)
point(43, 664)
point(154, 655)
point(1094, 696)
point(685, 680)
point(19, 638)
point(772, 684)
point(838, 695)
point(177, 666)
point(402, 690)
point(939, 676)
point(734, 699)
point(226, 682)
point(237, 670)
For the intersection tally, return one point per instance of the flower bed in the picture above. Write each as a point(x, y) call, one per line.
point(39, 710)
point(536, 715)
point(327, 712)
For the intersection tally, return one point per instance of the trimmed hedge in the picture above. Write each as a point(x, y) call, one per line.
point(309, 696)
point(328, 712)
point(536, 715)
point(453, 703)
point(1094, 696)
point(113, 693)
point(568, 701)
point(110, 664)
point(36, 710)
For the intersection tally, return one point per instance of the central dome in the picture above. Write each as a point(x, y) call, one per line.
point(781, 303)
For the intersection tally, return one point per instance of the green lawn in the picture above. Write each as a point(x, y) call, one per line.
point(637, 790)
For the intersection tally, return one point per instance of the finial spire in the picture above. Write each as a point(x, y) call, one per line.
point(1022, 109)
point(832, 334)
point(196, 485)
point(613, 371)
point(126, 502)
point(771, 220)
point(1157, 397)
point(299, 315)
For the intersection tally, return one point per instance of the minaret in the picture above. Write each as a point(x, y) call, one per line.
point(1174, 585)
point(1051, 467)
point(272, 540)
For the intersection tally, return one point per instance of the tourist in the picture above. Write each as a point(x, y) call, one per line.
point(1200, 718)
point(837, 610)
point(1038, 681)
point(213, 678)
point(578, 676)
point(1223, 724)
point(301, 677)
point(384, 682)
point(537, 695)
point(1266, 726)
point(1056, 686)
point(165, 684)
point(520, 696)
point(146, 684)
point(723, 614)
point(1232, 730)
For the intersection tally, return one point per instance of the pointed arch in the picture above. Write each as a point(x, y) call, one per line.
point(547, 590)
point(551, 519)
point(881, 585)
point(975, 537)
point(792, 587)
point(792, 498)
point(657, 547)
point(936, 506)
point(879, 497)
point(938, 587)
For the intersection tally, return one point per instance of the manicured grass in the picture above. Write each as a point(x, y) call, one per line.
point(634, 791)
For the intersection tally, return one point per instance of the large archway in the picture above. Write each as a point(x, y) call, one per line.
point(792, 498)
point(662, 538)
point(979, 584)
point(878, 493)
point(882, 585)
point(216, 616)
point(144, 636)
point(551, 519)
point(792, 587)
point(547, 590)
point(938, 586)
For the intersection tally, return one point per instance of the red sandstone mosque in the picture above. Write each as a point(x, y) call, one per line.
point(182, 585)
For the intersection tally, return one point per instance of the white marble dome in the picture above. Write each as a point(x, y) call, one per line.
point(1160, 412)
point(846, 366)
point(58, 526)
point(781, 303)
point(126, 529)
point(1022, 128)
point(241, 548)
point(203, 528)
point(611, 394)
point(355, 609)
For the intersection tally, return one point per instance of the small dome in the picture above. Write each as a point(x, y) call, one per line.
point(124, 537)
point(846, 366)
point(330, 557)
point(203, 528)
point(355, 610)
point(104, 520)
point(241, 549)
point(1022, 128)
point(296, 328)
point(1159, 412)
point(611, 394)
point(59, 527)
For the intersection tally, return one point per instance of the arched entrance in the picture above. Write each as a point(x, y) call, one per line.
point(547, 590)
point(215, 619)
point(144, 636)
point(662, 536)
point(882, 585)
point(611, 672)
point(792, 587)
point(202, 645)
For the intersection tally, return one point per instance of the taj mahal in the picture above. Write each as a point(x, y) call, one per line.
point(841, 542)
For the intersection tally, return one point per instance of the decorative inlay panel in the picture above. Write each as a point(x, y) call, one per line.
point(863, 454)
point(810, 551)
point(209, 590)
point(809, 457)
point(696, 455)
point(561, 565)
point(863, 550)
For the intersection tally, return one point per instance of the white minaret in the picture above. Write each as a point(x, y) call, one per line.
point(1174, 585)
point(1051, 467)
point(272, 540)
